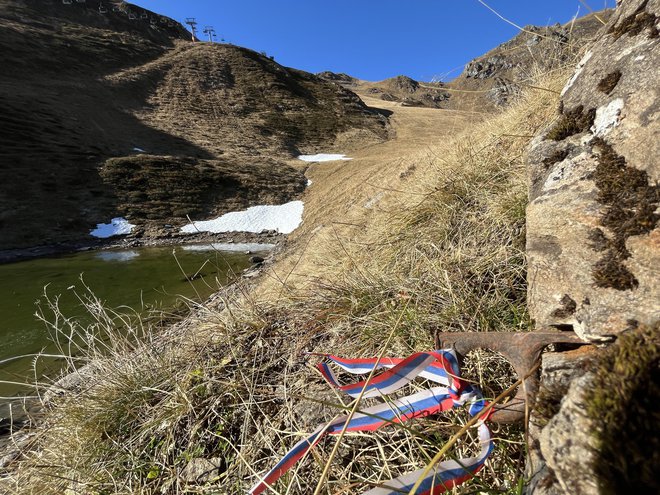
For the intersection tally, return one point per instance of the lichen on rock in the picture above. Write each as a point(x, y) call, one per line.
point(593, 247)
point(593, 179)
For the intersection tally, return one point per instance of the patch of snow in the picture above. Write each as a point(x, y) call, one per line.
point(607, 118)
point(282, 218)
point(139, 150)
point(239, 247)
point(117, 226)
point(639, 58)
point(309, 182)
point(117, 255)
point(578, 71)
point(323, 157)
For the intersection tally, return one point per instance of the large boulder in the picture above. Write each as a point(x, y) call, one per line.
point(594, 265)
point(594, 262)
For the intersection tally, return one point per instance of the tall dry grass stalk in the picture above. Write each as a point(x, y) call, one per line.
point(209, 406)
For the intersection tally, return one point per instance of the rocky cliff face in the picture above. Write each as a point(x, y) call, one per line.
point(494, 79)
point(593, 241)
point(593, 238)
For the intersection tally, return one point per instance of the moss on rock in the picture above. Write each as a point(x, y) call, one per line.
point(623, 405)
point(572, 122)
point(631, 202)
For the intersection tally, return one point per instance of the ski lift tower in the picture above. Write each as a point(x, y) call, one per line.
point(210, 32)
point(193, 26)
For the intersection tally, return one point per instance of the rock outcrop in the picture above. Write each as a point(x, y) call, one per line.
point(593, 242)
point(496, 78)
point(485, 68)
point(593, 246)
point(553, 438)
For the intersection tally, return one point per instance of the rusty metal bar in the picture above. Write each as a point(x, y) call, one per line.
point(522, 350)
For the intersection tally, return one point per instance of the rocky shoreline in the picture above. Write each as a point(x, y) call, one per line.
point(138, 240)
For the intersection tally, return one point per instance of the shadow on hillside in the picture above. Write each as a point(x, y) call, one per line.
point(53, 143)
point(381, 111)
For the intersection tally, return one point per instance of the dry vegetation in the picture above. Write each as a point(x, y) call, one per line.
point(210, 404)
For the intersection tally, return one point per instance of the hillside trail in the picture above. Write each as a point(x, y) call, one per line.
point(346, 197)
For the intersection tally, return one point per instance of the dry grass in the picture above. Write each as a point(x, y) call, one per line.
point(441, 249)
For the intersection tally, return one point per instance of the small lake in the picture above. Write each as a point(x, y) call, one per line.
point(142, 279)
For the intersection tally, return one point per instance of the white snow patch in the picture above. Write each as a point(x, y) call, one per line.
point(309, 182)
point(117, 226)
point(607, 118)
point(238, 247)
point(139, 150)
point(283, 218)
point(323, 157)
point(578, 71)
point(117, 255)
point(639, 58)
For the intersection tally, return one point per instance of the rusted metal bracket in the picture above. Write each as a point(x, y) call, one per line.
point(522, 350)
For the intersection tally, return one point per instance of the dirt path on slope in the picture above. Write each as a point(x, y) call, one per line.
point(346, 196)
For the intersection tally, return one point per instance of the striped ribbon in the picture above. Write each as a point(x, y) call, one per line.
point(437, 366)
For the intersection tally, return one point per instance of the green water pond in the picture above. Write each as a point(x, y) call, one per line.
point(142, 279)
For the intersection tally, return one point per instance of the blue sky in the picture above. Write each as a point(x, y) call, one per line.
point(371, 39)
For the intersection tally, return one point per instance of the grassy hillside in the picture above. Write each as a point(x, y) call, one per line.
point(427, 240)
point(402, 89)
point(497, 77)
point(89, 89)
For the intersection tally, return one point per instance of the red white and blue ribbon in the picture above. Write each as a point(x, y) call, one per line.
point(437, 366)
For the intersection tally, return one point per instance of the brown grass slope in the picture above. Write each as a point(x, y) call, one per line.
point(402, 89)
point(85, 87)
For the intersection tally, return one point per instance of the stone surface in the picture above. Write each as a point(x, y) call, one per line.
point(482, 69)
point(593, 240)
point(559, 370)
point(202, 470)
point(592, 232)
point(567, 443)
